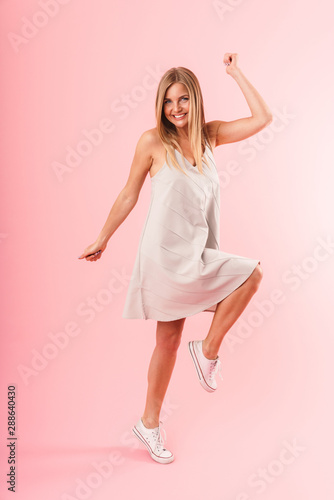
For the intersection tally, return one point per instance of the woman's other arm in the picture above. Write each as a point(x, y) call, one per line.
point(127, 198)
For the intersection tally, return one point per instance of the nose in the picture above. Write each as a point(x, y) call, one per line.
point(176, 109)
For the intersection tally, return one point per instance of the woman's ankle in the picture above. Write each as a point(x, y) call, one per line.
point(149, 422)
point(209, 351)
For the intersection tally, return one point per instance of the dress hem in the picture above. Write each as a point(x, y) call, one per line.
point(200, 310)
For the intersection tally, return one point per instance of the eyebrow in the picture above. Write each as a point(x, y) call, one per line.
point(179, 97)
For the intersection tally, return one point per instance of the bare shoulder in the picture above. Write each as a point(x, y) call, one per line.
point(150, 142)
point(141, 164)
point(152, 138)
point(146, 142)
point(155, 148)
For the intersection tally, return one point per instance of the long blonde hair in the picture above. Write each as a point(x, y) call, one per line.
point(197, 128)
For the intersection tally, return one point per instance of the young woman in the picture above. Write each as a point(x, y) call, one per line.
point(179, 270)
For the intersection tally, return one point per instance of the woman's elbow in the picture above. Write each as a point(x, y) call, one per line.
point(129, 197)
point(269, 118)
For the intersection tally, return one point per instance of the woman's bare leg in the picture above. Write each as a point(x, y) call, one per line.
point(228, 311)
point(168, 338)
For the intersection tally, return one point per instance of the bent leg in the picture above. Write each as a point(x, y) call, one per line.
point(228, 311)
point(168, 338)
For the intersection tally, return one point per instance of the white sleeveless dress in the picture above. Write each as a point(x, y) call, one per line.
point(179, 269)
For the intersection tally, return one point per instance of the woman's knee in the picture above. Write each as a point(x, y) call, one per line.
point(169, 336)
point(256, 276)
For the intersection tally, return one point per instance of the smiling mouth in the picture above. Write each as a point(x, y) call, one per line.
point(178, 117)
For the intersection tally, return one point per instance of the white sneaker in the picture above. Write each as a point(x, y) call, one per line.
point(153, 441)
point(206, 368)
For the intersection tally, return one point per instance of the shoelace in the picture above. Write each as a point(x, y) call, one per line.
point(159, 441)
point(215, 368)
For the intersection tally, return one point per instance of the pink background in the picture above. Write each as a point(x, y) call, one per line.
point(97, 64)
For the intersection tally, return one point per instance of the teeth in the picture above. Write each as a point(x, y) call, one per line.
point(179, 116)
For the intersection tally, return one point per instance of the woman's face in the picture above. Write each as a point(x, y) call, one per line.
point(176, 105)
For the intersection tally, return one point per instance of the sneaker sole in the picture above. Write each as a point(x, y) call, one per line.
point(201, 378)
point(153, 455)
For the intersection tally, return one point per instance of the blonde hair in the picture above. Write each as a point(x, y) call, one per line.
point(197, 128)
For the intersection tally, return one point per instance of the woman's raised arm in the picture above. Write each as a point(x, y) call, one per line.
point(237, 130)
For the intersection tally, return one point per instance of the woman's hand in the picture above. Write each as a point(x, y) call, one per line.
point(231, 63)
point(93, 252)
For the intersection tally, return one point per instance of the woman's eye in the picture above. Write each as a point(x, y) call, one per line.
point(182, 98)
